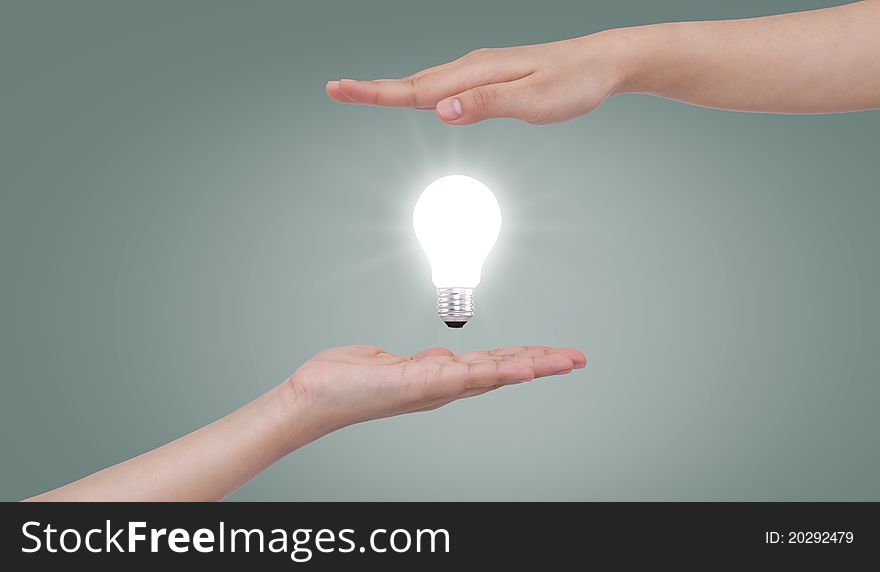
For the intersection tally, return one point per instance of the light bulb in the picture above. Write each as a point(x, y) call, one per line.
point(457, 221)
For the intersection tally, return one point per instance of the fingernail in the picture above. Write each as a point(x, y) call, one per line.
point(579, 364)
point(334, 83)
point(449, 109)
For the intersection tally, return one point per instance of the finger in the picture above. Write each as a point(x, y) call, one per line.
point(551, 363)
point(479, 391)
point(357, 350)
point(487, 373)
point(518, 99)
point(385, 92)
point(334, 90)
point(424, 89)
point(517, 349)
point(480, 356)
point(467, 357)
point(578, 359)
point(441, 402)
point(433, 352)
point(448, 380)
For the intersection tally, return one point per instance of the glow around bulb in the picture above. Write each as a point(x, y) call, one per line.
point(457, 221)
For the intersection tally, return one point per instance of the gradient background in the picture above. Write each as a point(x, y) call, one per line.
point(185, 218)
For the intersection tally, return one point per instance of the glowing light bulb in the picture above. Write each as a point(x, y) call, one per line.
point(457, 221)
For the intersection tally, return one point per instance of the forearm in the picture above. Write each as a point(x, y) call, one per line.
point(208, 464)
point(822, 61)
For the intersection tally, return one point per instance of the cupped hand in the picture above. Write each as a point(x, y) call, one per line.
point(351, 384)
point(544, 83)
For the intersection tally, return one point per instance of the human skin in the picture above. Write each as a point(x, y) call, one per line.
point(336, 388)
point(821, 61)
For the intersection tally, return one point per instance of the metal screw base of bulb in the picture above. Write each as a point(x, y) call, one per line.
point(455, 306)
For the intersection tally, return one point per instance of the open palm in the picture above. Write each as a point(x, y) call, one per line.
point(359, 383)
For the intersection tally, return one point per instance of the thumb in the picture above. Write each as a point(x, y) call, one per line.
point(513, 99)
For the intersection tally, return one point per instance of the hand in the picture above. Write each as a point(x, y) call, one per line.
point(356, 383)
point(545, 83)
point(335, 388)
point(821, 61)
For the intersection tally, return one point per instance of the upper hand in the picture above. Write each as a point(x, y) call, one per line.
point(351, 384)
point(544, 83)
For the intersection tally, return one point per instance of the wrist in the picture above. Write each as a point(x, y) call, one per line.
point(299, 418)
point(636, 55)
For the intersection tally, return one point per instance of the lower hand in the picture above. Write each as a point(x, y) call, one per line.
point(335, 388)
point(351, 384)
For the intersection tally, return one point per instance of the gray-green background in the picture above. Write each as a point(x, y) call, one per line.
point(185, 218)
